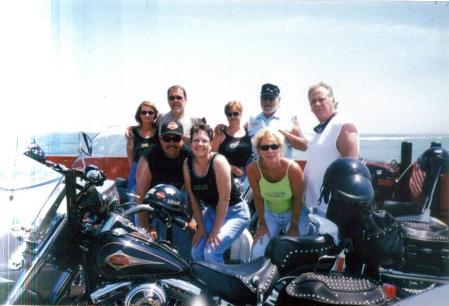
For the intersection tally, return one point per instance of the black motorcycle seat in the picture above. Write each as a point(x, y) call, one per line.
point(397, 209)
point(293, 253)
point(237, 283)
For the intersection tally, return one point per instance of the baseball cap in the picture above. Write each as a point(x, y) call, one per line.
point(172, 127)
point(269, 90)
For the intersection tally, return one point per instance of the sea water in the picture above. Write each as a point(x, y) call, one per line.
point(377, 147)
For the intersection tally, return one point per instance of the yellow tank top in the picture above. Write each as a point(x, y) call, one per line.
point(278, 196)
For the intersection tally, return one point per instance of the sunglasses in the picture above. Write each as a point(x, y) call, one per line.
point(149, 113)
point(235, 114)
point(273, 147)
point(172, 98)
point(268, 98)
point(175, 138)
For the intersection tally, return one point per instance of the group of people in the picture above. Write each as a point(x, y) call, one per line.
point(209, 164)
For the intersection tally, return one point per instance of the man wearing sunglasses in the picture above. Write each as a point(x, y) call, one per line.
point(177, 100)
point(271, 117)
point(163, 165)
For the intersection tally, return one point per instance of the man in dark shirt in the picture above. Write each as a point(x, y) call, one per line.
point(163, 165)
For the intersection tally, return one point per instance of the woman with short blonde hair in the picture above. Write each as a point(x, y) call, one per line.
point(277, 184)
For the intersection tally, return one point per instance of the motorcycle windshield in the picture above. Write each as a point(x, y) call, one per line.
point(30, 194)
point(110, 142)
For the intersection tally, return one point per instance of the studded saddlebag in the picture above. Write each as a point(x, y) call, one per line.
point(334, 289)
point(382, 241)
point(426, 247)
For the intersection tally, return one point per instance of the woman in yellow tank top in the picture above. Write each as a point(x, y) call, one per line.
point(277, 185)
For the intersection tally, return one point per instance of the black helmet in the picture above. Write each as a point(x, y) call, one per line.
point(166, 197)
point(348, 190)
point(348, 178)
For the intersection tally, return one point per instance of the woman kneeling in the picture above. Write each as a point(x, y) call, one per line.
point(277, 185)
point(208, 181)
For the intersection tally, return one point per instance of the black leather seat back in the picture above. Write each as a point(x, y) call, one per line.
point(291, 254)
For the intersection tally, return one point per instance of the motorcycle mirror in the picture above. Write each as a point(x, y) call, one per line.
point(86, 145)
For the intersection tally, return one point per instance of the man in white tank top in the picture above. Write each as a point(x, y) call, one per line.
point(335, 137)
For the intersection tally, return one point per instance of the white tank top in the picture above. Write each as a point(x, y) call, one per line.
point(322, 151)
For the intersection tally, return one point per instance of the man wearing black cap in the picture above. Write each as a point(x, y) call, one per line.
point(270, 117)
point(163, 165)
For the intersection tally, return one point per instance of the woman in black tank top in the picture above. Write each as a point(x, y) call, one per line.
point(139, 139)
point(207, 178)
point(233, 140)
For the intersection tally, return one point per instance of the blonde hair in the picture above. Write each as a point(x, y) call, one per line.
point(269, 133)
point(236, 104)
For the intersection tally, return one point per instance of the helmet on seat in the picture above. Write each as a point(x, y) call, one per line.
point(166, 197)
point(349, 178)
point(348, 190)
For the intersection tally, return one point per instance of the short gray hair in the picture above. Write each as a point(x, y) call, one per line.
point(321, 84)
point(326, 86)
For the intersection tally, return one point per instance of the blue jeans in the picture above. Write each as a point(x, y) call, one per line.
point(181, 239)
point(131, 188)
point(275, 223)
point(235, 222)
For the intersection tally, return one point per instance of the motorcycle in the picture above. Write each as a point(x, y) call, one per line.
point(424, 264)
point(68, 240)
point(398, 246)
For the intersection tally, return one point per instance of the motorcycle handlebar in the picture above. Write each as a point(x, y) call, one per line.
point(145, 207)
point(137, 209)
point(180, 222)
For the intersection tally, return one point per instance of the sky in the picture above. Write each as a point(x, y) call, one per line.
point(84, 65)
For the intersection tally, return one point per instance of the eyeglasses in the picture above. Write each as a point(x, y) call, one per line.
point(175, 138)
point(198, 141)
point(172, 98)
point(273, 147)
point(149, 113)
point(235, 114)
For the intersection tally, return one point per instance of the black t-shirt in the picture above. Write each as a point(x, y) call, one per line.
point(205, 187)
point(166, 170)
point(141, 144)
point(237, 150)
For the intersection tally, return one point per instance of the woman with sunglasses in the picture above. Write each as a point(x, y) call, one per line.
point(139, 138)
point(232, 140)
point(207, 178)
point(277, 185)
